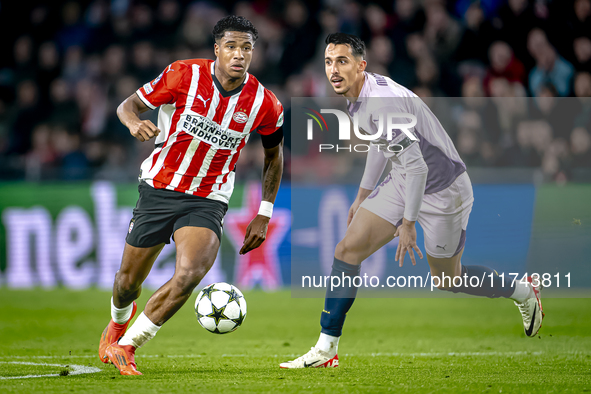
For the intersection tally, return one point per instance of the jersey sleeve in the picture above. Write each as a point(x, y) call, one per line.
point(402, 137)
point(375, 164)
point(163, 89)
point(416, 181)
point(273, 118)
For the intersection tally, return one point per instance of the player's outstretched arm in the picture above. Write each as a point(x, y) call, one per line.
point(129, 114)
point(416, 180)
point(272, 172)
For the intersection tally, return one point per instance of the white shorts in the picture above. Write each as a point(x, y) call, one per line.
point(443, 215)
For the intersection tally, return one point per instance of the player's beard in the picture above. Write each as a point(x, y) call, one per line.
point(344, 88)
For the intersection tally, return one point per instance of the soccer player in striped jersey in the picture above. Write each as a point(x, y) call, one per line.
point(208, 110)
point(428, 182)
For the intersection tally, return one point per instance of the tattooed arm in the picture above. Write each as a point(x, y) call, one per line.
point(272, 171)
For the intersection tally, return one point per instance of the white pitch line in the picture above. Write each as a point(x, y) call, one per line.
point(453, 354)
point(422, 354)
point(76, 370)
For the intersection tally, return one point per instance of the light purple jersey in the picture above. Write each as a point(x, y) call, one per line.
point(381, 95)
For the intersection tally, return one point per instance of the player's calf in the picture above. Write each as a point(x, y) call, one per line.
point(163, 304)
point(476, 280)
point(167, 300)
point(185, 280)
point(126, 288)
point(161, 307)
point(486, 282)
point(337, 303)
point(339, 299)
point(450, 275)
point(136, 264)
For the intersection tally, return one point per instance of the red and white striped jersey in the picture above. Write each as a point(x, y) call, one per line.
point(203, 128)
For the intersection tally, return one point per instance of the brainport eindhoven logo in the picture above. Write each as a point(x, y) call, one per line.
point(387, 133)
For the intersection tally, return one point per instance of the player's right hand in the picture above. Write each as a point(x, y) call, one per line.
point(144, 130)
point(407, 242)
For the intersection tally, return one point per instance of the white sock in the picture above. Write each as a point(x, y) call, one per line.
point(328, 343)
point(121, 316)
point(522, 292)
point(140, 332)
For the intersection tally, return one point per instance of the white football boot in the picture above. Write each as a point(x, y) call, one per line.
point(531, 311)
point(315, 358)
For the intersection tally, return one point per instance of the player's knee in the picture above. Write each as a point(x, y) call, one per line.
point(340, 250)
point(186, 280)
point(127, 284)
point(348, 252)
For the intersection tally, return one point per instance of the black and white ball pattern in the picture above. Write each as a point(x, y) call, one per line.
point(220, 308)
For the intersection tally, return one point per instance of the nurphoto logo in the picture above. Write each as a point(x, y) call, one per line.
point(389, 133)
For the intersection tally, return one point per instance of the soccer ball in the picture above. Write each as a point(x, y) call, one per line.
point(220, 308)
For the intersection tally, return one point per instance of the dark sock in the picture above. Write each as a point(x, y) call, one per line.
point(491, 288)
point(339, 299)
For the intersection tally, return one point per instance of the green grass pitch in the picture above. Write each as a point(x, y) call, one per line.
point(400, 345)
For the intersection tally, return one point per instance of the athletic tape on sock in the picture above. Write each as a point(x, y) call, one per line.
point(140, 332)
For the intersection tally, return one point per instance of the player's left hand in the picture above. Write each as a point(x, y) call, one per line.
point(407, 242)
point(256, 232)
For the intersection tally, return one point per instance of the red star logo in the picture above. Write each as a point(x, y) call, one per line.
point(260, 265)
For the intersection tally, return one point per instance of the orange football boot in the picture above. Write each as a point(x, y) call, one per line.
point(123, 357)
point(112, 333)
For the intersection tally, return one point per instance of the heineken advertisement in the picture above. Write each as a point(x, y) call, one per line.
point(73, 234)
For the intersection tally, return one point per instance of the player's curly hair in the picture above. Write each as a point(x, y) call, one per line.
point(234, 23)
point(356, 44)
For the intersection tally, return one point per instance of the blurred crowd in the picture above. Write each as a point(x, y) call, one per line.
point(68, 65)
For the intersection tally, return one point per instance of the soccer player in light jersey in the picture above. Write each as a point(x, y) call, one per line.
point(428, 183)
point(208, 110)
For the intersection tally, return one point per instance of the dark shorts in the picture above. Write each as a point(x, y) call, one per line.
point(160, 212)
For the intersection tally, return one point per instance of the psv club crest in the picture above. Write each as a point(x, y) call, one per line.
point(240, 117)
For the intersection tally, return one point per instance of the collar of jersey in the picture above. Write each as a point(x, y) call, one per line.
point(354, 107)
point(218, 85)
